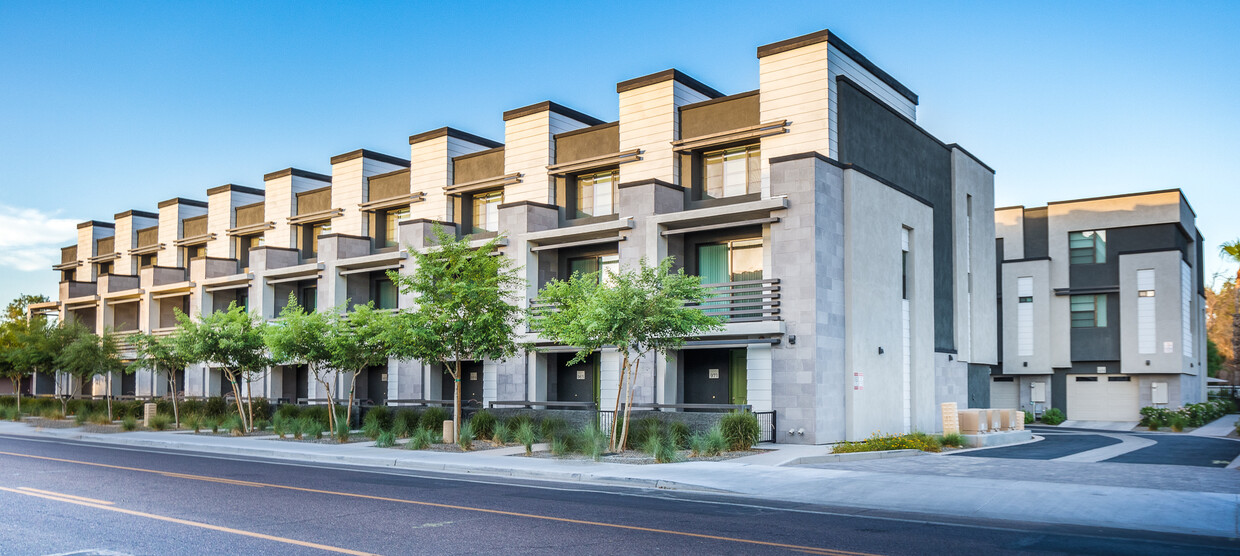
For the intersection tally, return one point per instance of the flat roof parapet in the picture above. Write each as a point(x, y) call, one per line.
point(549, 106)
point(372, 155)
point(297, 173)
point(667, 75)
point(455, 134)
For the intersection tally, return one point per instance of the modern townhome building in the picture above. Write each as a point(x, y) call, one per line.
point(1102, 305)
point(850, 250)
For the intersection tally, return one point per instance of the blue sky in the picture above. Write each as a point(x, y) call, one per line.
point(106, 107)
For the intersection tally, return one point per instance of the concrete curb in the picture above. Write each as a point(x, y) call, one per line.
point(852, 456)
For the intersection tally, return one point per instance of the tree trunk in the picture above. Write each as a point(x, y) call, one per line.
point(172, 389)
point(249, 403)
point(232, 379)
point(348, 412)
point(331, 402)
point(456, 403)
point(17, 390)
point(108, 394)
point(615, 416)
point(628, 404)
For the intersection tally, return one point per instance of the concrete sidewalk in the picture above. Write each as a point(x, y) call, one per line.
point(761, 477)
point(1220, 427)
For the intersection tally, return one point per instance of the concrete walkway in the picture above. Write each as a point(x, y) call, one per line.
point(1009, 497)
point(1220, 427)
point(1117, 426)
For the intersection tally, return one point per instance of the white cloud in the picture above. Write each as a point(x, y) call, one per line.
point(31, 239)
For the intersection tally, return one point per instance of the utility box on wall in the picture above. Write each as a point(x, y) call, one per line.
point(1158, 392)
point(1037, 392)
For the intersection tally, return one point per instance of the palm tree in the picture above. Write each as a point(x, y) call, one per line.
point(1231, 251)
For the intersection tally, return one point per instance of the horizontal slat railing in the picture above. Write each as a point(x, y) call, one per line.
point(740, 301)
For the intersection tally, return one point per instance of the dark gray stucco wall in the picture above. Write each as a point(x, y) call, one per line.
point(1100, 343)
point(979, 385)
point(1036, 233)
point(1059, 390)
point(883, 142)
point(1154, 237)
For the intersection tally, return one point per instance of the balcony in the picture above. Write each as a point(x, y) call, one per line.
point(744, 301)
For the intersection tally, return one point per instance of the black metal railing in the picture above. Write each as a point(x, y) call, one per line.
point(743, 301)
point(766, 426)
point(543, 404)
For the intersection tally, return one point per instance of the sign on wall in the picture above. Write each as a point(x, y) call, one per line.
point(581, 375)
point(713, 373)
point(858, 381)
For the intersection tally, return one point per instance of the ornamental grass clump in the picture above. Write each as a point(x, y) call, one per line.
point(313, 429)
point(386, 439)
point(421, 440)
point(740, 429)
point(501, 434)
point(371, 428)
point(708, 444)
point(233, 425)
point(129, 424)
point(953, 439)
point(343, 431)
point(483, 423)
point(662, 447)
point(405, 422)
point(100, 418)
point(432, 419)
point(465, 438)
point(592, 441)
point(527, 436)
point(194, 422)
point(160, 422)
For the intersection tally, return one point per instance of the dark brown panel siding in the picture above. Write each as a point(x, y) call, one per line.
point(249, 215)
point(314, 201)
point(68, 254)
point(148, 236)
point(472, 168)
point(589, 144)
point(192, 227)
point(105, 245)
point(716, 117)
point(390, 185)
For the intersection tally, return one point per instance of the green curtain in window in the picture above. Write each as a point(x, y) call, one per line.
point(738, 377)
point(713, 268)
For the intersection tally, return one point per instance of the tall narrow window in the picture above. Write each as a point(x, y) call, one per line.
point(310, 237)
point(904, 270)
point(1147, 323)
point(1186, 307)
point(1087, 247)
point(596, 193)
point(605, 265)
point(486, 211)
point(1024, 316)
point(244, 245)
point(732, 172)
point(384, 293)
point(1089, 311)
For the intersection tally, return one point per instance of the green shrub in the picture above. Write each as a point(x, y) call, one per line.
point(1178, 422)
point(740, 429)
point(260, 424)
point(515, 421)
point(954, 439)
point(465, 437)
point(642, 429)
point(298, 427)
point(51, 413)
point(552, 427)
point(81, 417)
point(129, 424)
point(1153, 425)
point(1028, 417)
point(405, 422)
point(709, 444)
point(370, 428)
point(191, 406)
point(560, 446)
point(678, 432)
point(661, 447)
point(233, 425)
point(10, 413)
point(1053, 416)
point(100, 418)
point(527, 436)
point(280, 425)
point(386, 439)
point(161, 422)
point(432, 419)
point(483, 423)
point(212, 423)
point(381, 416)
point(317, 413)
point(592, 441)
point(880, 442)
point(288, 411)
point(421, 440)
point(215, 407)
point(261, 408)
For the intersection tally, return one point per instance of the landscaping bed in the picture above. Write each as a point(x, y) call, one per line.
point(913, 441)
point(635, 457)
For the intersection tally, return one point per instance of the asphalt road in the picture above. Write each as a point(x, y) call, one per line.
point(59, 496)
point(1168, 449)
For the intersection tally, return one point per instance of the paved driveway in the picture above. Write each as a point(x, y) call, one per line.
point(1085, 446)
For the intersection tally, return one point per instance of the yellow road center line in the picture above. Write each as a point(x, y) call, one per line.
point(82, 498)
point(73, 500)
point(814, 549)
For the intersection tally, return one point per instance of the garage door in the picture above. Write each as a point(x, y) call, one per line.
point(1103, 398)
point(1004, 393)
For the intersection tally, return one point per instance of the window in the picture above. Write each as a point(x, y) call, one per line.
point(588, 265)
point(1087, 247)
point(486, 211)
point(596, 193)
point(244, 244)
point(67, 276)
point(308, 298)
point(1089, 311)
point(390, 218)
point(730, 261)
point(192, 252)
point(146, 261)
point(310, 237)
point(383, 292)
point(732, 172)
point(904, 274)
point(105, 269)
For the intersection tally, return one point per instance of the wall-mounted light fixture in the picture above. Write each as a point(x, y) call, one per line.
point(880, 350)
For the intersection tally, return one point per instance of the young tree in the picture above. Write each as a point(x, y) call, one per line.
point(9, 346)
point(232, 339)
point(161, 354)
point(359, 340)
point(1231, 251)
point(638, 311)
point(88, 355)
point(463, 308)
point(16, 309)
point(297, 337)
point(32, 349)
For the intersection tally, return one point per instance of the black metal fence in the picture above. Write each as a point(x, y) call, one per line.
point(766, 426)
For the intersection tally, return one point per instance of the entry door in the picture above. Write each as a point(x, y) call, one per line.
point(1004, 393)
point(377, 385)
point(577, 383)
point(471, 382)
point(1102, 398)
point(707, 373)
point(738, 378)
